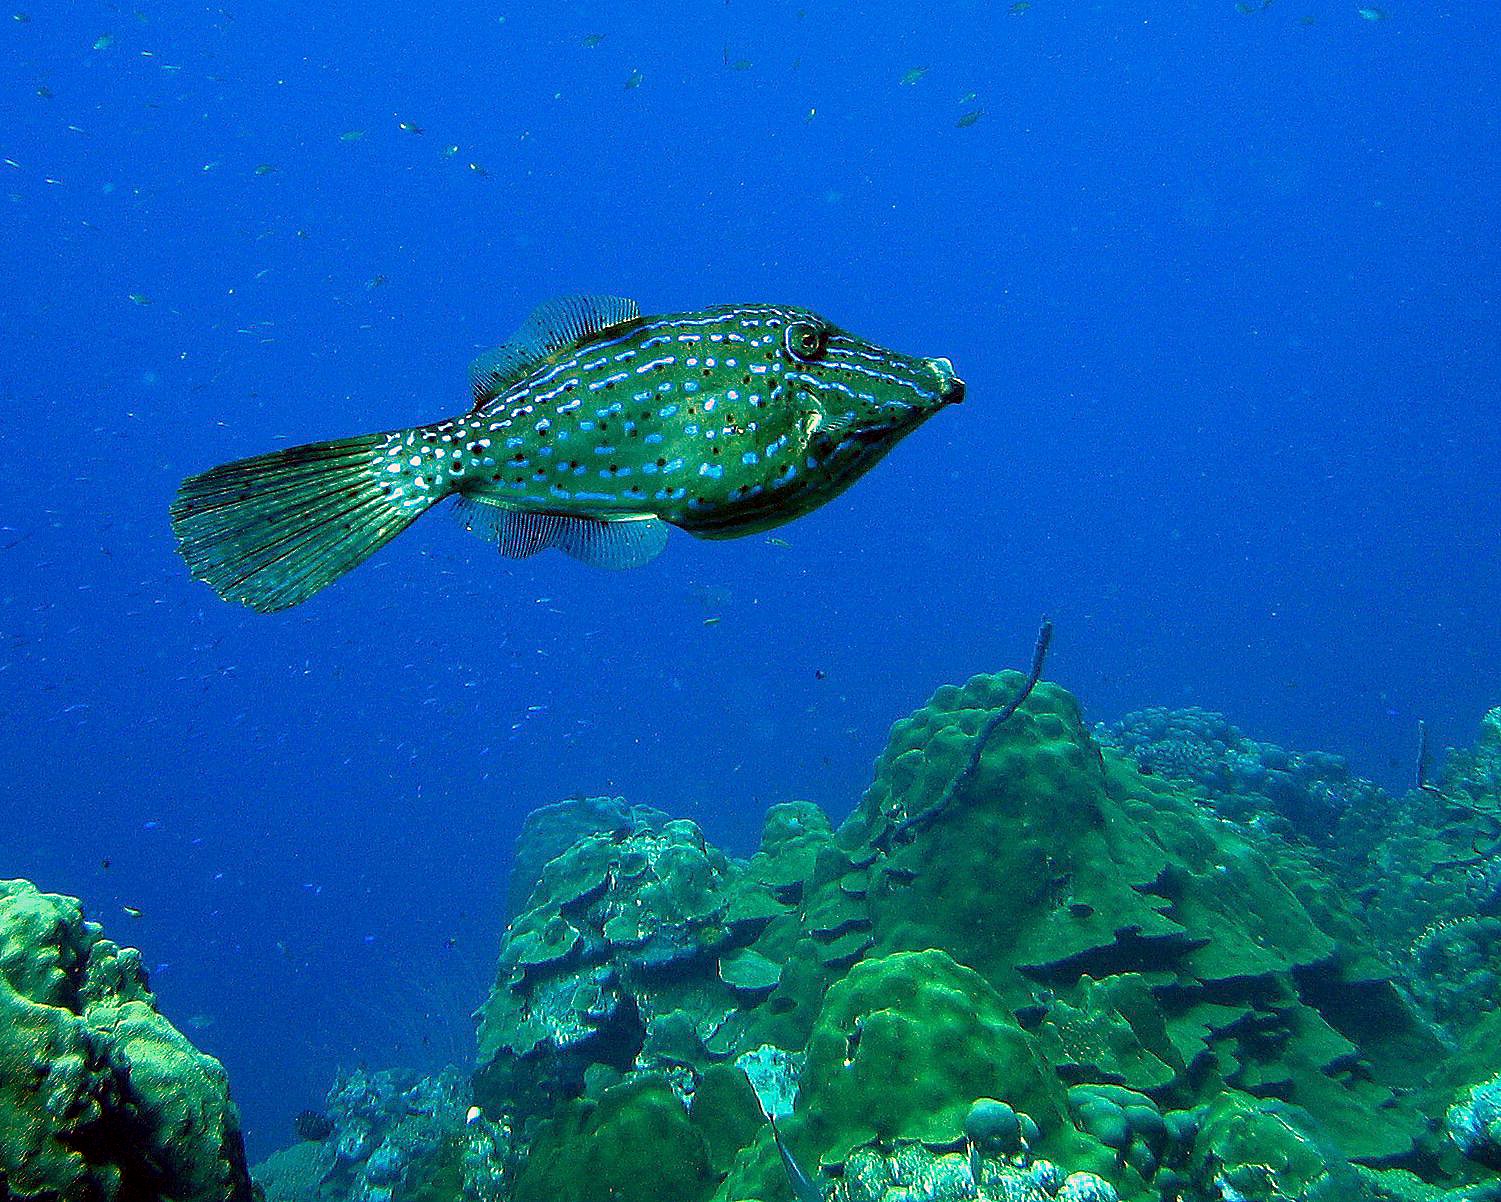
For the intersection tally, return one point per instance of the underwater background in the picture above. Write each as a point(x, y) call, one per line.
point(1221, 280)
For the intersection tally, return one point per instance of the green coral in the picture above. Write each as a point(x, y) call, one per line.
point(630, 955)
point(635, 1144)
point(1269, 1151)
point(100, 1096)
point(903, 1047)
point(1182, 1003)
point(1156, 945)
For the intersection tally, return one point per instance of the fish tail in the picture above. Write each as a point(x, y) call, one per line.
point(272, 530)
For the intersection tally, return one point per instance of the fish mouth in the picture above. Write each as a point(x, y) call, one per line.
point(950, 386)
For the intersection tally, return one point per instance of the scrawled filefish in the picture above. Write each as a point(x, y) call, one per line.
point(592, 430)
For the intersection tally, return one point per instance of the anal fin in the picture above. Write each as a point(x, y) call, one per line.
point(616, 543)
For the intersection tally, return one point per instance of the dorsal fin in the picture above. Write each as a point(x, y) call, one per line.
point(558, 325)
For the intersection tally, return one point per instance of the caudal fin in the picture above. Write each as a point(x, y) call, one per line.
point(272, 530)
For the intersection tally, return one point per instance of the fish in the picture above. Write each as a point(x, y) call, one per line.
point(593, 430)
point(803, 1187)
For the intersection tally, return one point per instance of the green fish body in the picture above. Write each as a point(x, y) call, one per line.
point(593, 430)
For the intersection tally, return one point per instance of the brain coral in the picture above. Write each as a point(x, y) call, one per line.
point(100, 1097)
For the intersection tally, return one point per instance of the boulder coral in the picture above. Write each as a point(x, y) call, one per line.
point(1030, 966)
point(100, 1096)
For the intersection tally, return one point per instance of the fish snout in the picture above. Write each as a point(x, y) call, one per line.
point(950, 386)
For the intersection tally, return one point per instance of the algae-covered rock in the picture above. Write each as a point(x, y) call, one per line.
point(100, 1096)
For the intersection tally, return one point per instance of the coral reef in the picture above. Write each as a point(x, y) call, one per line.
point(393, 1137)
point(100, 1096)
point(1145, 967)
point(631, 954)
point(1425, 872)
point(1474, 1123)
point(1440, 931)
point(1246, 779)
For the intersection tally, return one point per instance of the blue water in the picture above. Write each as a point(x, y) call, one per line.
point(1223, 286)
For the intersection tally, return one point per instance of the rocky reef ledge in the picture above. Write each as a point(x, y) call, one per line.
point(1074, 980)
point(100, 1097)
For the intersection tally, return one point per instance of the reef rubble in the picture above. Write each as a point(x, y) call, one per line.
point(1152, 962)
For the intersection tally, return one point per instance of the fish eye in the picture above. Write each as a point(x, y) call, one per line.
point(805, 341)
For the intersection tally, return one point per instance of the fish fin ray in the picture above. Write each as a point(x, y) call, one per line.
point(272, 530)
point(519, 533)
point(560, 324)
